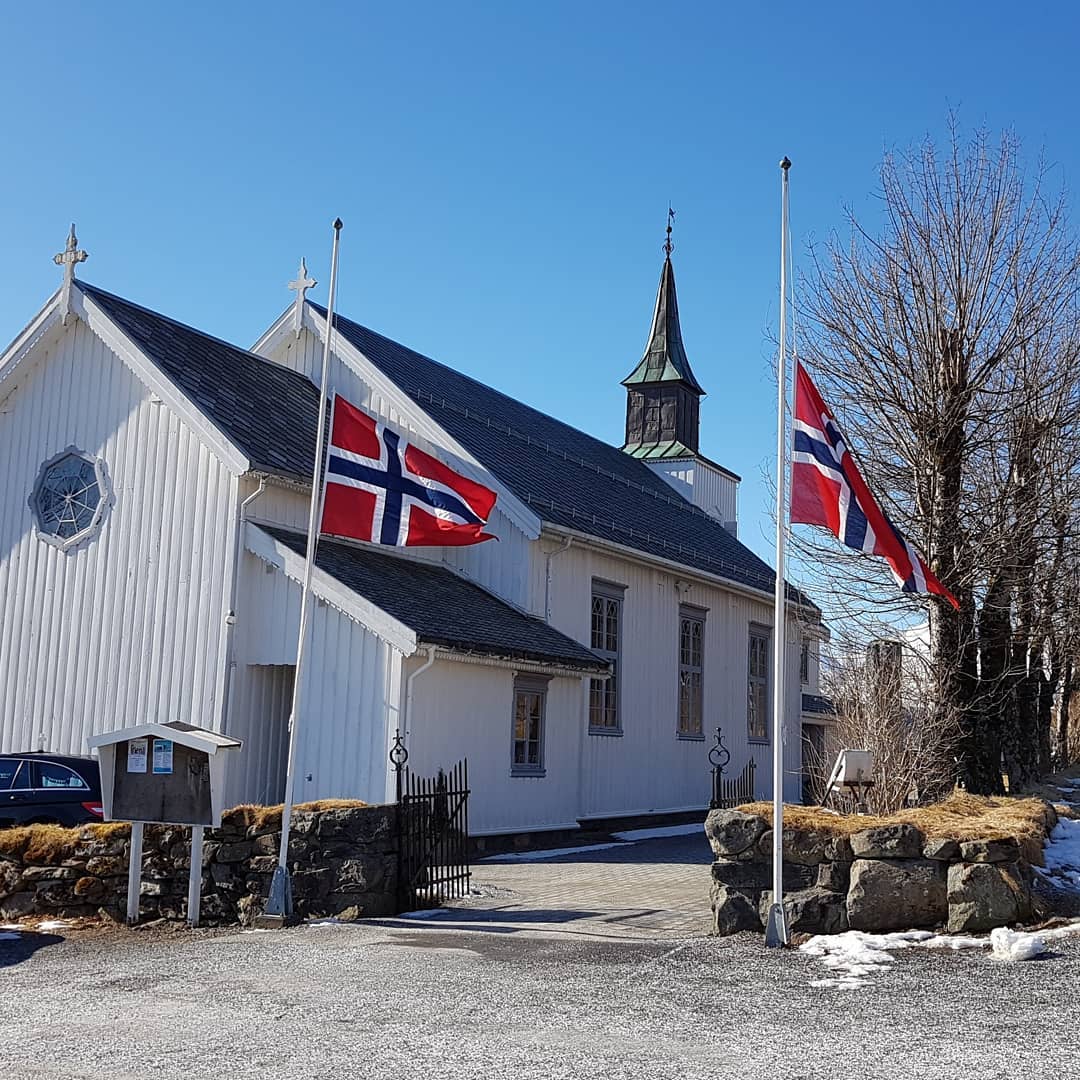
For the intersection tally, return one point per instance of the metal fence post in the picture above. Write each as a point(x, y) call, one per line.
point(719, 756)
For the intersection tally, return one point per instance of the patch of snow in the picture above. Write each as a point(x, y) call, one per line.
point(51, 924)
point(855, 955)
point(1015, 944)
point(10, 926)
point(956, 942)
point(549, 853)
point(1061, 855)
point(663, 830)
point(326, 922)
point(8, 936)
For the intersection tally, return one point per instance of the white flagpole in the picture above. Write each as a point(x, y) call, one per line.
point(280, 901)
point(776, 932)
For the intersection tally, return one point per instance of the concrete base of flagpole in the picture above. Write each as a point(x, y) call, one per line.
point(279, 905)
point(776, 932)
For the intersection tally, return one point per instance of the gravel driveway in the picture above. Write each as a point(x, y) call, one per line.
point(408, 1000)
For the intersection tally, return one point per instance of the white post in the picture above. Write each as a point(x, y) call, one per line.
point(194, 889)
point(279, 903)
point(776, 933)
point(134, 871)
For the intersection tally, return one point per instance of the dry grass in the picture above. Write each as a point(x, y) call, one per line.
point(49, 844)
point(959, 817)
point(269, 817)
point(52, 844)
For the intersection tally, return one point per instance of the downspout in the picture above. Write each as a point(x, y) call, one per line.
point(409, 694)
point(230, 618)
point(547, 582)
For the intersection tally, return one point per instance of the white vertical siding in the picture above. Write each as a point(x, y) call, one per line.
point(351, 690)
point(128, 627)
point(262, 700)
point(649, 768)
point(704, 485)
point(466, 710)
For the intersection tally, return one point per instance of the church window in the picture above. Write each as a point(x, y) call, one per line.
point(69, 498)
point(758, 684)
point(530, 707)
point(606, 642)
point(691, 655)
point(804, 663)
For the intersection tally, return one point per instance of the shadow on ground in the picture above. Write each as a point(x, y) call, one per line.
point(17, 946)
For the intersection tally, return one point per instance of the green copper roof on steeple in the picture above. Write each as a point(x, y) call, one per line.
point(665, 357)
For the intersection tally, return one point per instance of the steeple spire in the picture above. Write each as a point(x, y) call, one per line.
point(662, 392)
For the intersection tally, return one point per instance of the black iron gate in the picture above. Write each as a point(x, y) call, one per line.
point(433, 832)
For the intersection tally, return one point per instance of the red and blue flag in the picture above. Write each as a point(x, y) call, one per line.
point(828, 489)
point(381, 488)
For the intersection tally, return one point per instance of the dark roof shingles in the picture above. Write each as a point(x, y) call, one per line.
point(442, 608)
point(267, 410)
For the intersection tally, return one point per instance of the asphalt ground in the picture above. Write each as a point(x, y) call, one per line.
point(402, 1000)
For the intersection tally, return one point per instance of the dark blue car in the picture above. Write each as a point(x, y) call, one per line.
point(38, 788)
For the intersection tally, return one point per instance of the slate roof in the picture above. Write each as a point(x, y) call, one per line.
point(568, 477)
point(815, 703)
point(443, 608)
point(270, 412)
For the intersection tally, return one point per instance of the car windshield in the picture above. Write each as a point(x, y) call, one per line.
point(9, 767)
point(51, 775)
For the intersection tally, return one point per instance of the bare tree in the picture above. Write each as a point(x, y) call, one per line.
point(947, 342)
point(883, 705)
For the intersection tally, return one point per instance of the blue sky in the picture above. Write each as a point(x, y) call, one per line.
point(503, 169)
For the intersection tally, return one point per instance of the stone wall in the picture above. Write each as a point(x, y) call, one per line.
point(879, 879)
point(343, 862)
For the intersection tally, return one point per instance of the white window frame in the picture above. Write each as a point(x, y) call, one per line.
point(529, 686)
point(687, 671)
point(68, 543)
point(763, 635)
point(608, 592)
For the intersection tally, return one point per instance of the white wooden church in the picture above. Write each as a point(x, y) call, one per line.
point(155, 497)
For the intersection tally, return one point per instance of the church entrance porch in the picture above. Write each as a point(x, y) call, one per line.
point(655, 886)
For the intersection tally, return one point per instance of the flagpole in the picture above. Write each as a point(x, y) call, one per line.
point(776, 933)
point(279, 903)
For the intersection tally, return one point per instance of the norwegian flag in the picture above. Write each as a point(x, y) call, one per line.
point(828, 489)
point(381, 488)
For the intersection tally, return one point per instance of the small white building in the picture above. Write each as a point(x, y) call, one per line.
point(151, 548)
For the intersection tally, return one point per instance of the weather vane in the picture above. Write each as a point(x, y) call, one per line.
point(669, 247)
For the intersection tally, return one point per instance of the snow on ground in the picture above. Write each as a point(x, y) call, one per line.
point(51, 924)
point(854, 956)
point(1061, 855)
point(664, 830)
point(550, 853)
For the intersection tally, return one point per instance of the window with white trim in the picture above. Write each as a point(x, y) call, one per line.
point(691, 664)
point(606, 641)
point(530, 708)
point(758, 684)
point(69, 498)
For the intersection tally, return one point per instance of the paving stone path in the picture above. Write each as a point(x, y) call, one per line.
point(643, 889)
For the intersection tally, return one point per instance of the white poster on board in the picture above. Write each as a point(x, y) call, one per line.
point(136, 755)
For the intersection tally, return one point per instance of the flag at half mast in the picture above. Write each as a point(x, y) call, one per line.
point(381, 488)
point(828, 489)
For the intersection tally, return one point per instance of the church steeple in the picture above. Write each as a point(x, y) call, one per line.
point(662, 394)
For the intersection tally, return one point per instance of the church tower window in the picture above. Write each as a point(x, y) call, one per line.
point(69, 498)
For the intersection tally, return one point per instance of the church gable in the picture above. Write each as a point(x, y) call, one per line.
point(113, 510)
